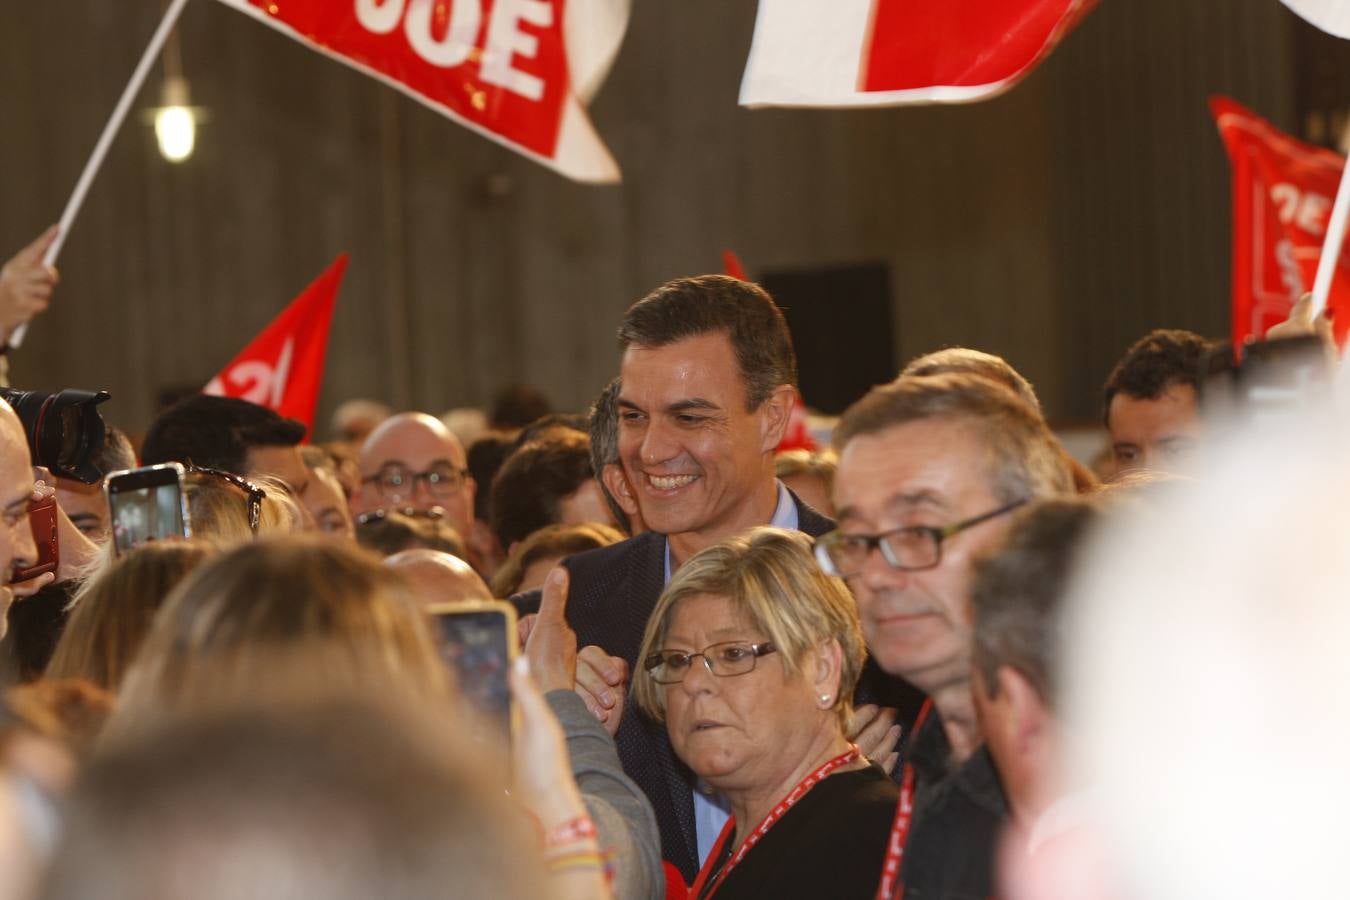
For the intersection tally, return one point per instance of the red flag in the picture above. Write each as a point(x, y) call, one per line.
point(283, 367)
point(731, 265)
point(1282, 195)
point(500, 67)
point(888, 52)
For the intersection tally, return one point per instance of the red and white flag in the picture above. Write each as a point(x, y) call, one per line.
point(1283, 190)
point(516, 71)
point(889, 52)
point(283, 366)
point(1332, 16)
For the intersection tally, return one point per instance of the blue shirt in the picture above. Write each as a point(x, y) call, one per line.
point(710, 808)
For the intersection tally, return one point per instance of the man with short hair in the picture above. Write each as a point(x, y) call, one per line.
point(229, 434)
point(708, 379)
point(438, 577)
point(412, 461)
point(1151, 401)
point(929, 468)
point(1016, 604)
point(614, 486)
point(86, 504)
point(977, 362)
point(546, 481)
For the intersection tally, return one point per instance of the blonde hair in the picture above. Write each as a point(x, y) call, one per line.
point(821, 464)
point(112, 613)
point(271, 617)
point(771, 579)
point(219, 508)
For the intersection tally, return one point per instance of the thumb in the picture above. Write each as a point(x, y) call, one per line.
point(36, 251)
point(553, 604)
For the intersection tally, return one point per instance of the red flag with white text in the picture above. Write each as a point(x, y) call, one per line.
point(890, 52)
point(1283, 190)
point(517, 71)
point(282, 368)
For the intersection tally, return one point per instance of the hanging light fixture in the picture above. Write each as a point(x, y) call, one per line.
point(175, 119)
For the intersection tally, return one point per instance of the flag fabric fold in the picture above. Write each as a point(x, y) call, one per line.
point(282, 368)
point(516, 71)
point(891, 52)
point(1283, 190)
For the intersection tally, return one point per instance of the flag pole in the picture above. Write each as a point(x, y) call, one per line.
point(105, 140)
point(1331, 246)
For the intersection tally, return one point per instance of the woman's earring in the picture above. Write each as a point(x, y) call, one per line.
point(825, 698)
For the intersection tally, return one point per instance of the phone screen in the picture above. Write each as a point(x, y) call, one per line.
point(478, 643)
point(146, 505)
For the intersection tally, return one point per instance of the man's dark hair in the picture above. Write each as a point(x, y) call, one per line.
point(1018, 593)
point(485, 457)
point(216, 433)
point(393, 532)
point(604, 432)
point(545, 425)
point(691, 307)
point(1157, 361)
point(516, 406)
point(115, 454)
point(528, 491)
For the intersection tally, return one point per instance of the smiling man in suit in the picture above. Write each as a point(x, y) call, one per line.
point(708, 380)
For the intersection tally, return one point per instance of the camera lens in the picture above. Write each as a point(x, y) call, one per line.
point(64, 429)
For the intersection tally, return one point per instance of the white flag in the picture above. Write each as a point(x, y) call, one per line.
point(1332, 16)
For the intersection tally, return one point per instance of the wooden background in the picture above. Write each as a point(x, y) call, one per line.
point(1053, 225)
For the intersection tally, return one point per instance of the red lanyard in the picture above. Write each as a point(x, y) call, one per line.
point(774, 815)
point(891, 886)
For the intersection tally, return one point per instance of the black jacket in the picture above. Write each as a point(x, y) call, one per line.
point(612, 592)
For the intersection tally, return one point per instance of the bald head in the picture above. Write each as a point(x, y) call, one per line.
point(438, 577)
point(417, 451)
point(17, 549)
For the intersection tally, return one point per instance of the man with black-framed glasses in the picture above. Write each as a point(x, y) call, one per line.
point(411, 461)
point(929, 469)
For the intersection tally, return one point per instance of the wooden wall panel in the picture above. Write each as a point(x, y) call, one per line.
point(1053, 225)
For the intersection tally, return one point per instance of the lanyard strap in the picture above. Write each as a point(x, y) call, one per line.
point(891, 887)
point(698, 891)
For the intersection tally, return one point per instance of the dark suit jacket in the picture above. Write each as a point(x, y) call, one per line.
point(612, 593)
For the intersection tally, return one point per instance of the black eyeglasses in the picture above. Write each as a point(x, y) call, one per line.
point(397, 483)
point(255, 493)
point(723, 660)
point(379, 515)
point(910, 549)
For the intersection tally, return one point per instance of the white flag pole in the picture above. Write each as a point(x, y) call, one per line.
point(105, 141)
point(1331, 246)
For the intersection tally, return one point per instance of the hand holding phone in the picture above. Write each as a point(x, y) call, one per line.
point(42, 518)
point(478, 642)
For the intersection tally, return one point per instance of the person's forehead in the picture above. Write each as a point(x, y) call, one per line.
point(703, 366)
point(411, 444)
point(16, 473)
point(934, 463)
point(1174, 411)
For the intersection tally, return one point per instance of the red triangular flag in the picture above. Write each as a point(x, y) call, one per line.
point(1283, 190)
point(731, 265)
point(283, 366)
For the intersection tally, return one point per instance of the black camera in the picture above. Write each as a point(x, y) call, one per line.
point(64, 430)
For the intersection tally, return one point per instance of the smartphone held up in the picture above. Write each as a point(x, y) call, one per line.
point(147, 504)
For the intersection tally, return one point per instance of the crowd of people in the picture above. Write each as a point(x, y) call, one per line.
point(911, 657)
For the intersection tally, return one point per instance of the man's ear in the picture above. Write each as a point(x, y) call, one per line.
point(1030, 715)
point(617, 484)
point(774, 413)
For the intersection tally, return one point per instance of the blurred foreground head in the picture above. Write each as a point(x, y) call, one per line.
point(277, 616)
point(1206, 652)
point(344, 799)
